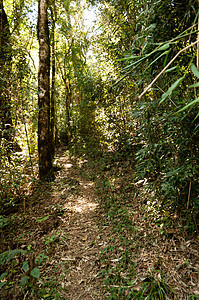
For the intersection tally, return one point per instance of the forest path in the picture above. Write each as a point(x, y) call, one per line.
point(78, 199)
point(69, 230)
point(95, 221)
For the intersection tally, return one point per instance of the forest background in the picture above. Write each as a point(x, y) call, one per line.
point(125, 89)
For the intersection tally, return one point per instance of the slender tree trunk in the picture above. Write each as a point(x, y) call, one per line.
point(6, 125)
point(44, 142)
point(52, 100)
point(68, 111)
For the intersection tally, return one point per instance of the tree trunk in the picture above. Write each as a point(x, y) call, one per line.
point(44, 142)
point(6, 125)
point(52, 100)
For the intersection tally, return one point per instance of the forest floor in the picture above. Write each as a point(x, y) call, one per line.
point(94, 234)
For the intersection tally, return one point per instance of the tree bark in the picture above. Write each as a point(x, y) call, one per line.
point(44, 142)
point(52, 98)
point(6, 124)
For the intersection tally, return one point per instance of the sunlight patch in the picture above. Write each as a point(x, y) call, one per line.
point(81, 205)
point(68, 166)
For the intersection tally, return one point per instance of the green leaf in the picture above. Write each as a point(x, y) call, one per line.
point(46, 296)
point(171, 69)
point(188, 105)
point(164, 53)
point(24, 280)
point(25, 266)
point(196, 116)
point(194, 70)
point(172, 88)
point(137, 61)
point(166, 57)
point(128, 57)
point(29, 247)
point(194, 85)
point(2, 284)
point(35, 273)
point(3, 275)
point(163, 47)
point(6, 256)
point(43, 219)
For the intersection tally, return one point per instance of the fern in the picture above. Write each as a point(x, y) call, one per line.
point(7, 256)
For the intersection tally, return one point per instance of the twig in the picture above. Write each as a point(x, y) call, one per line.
point(25, 295)
point(29, 151)
point(122, 286)
point(189, 195)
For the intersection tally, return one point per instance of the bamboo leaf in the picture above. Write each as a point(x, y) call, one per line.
point(196, 117)
point(164, 53)
point(194, 85)
point(171, 69)
point(166, 57)
point(172, 88)
point(43, 219)
point(136, 62)
point(128, 57)
point(188, 105)
point(194, 70)
point(163, 47)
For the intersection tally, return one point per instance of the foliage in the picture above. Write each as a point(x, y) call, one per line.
point(14, 182)
point(162, 119)
point(126, 95)
point(20, 266)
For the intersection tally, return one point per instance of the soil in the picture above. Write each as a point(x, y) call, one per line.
point(60, 220)
point(61, 223)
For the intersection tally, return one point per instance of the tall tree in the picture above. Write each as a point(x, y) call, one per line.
point(44, 142)
point(53, 67)
point(5, 66)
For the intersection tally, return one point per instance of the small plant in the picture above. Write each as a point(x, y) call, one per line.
point(193, 297)
point(4, 221)
point(50, 239)
point(156, 288)
point(29, 275)
point(19, 261)
point(7, 256)
point(58, 209)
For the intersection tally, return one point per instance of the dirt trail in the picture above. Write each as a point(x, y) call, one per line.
point(60, 236)
point(77, 200)
point(75, 256)
point(61, 227)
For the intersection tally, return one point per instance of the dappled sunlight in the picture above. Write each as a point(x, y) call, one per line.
point(80, 205)
point(86, 185)
point(67, 166)
point(73, 193)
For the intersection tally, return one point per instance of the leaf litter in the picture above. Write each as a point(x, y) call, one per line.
point(65, 226)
